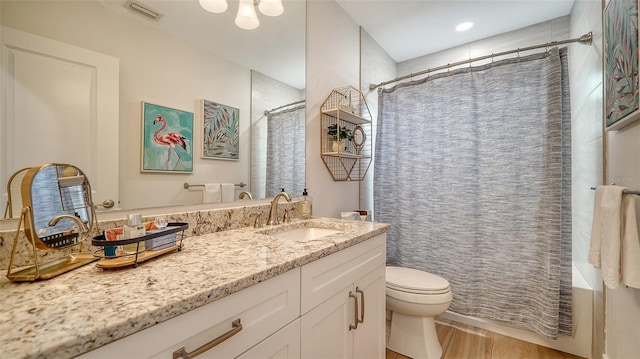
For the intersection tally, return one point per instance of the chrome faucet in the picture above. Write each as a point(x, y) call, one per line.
point(273, 213)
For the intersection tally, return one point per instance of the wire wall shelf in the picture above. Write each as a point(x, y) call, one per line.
point(346, 134)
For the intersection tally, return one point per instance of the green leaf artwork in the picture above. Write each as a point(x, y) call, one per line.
point(621, 59)
point(221, 131)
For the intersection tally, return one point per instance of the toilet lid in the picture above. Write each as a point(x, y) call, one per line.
point(415, 281)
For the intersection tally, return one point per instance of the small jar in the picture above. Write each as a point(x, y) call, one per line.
point(134, 229)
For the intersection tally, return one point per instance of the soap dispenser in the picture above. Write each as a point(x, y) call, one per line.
point(306, 204)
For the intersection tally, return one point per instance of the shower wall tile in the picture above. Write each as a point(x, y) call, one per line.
point(440, 58)
point(591, 127)
point(560, 28)
point(557, 29)
point(531, 35)
point(586, 173)
point(585, 74)
point(585, 69)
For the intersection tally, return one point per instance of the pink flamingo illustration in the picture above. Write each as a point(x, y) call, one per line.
point(169, 139)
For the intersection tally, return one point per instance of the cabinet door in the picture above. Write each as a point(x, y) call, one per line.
point(323, 278)
point(325, 330)
point(284, 344)
point(369, 338)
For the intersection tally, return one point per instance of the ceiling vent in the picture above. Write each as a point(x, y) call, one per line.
point(142, 9)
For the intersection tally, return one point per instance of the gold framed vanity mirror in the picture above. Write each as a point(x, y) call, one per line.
point(57, 213)
point(14, 187)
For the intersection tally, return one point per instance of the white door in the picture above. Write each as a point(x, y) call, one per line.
point(60, 104)
point(325, 329)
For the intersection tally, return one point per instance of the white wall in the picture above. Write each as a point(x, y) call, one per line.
point(375, 66)
point(332, 61)
point(155, 68)
point(622, 321)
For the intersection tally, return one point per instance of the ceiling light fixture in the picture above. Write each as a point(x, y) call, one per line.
point(464, 26)
point(246, 17)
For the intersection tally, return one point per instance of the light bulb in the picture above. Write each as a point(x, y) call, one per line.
point(464, 26)
point(247, 18)
point(215, 6)
point(271, 7)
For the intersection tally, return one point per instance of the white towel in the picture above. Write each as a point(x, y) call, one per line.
point(212, 193)
point(614, 237)
point(228, 192)
point(630, 261)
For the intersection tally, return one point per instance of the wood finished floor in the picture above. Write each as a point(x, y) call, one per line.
point(466, 342)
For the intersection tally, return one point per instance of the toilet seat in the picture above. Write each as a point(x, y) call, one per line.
point(413, 281)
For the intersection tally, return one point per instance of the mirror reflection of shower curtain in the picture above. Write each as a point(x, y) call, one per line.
point(286, 151)
point(473, 171)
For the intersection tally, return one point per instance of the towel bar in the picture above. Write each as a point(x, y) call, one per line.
point(187, 186)
point(626, 191)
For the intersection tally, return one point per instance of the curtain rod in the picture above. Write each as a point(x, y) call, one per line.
point(584, 39)
point(283, 106)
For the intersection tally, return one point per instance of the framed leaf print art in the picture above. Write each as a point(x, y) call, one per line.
point(221, 131)
point(621, 63)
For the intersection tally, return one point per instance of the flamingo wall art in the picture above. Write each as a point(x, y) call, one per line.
point(167, 139)
point(221, 137)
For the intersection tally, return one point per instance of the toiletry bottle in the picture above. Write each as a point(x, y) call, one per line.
point(134, 229)
point(306, 204)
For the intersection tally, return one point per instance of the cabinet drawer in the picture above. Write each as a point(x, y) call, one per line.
point(262, 310)
point(325, 277)
point(284, 344)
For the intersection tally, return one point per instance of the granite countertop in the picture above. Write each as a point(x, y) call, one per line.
point(89, 307)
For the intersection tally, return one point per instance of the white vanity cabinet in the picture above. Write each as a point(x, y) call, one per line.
point(343, 303)
point(262, 310)
point(333, 307)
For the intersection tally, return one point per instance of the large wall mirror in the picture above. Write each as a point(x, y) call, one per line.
point(105, 60)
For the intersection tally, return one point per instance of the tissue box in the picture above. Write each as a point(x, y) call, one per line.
point(165, 241)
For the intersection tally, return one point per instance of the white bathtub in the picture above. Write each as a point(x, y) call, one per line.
point(578, 344)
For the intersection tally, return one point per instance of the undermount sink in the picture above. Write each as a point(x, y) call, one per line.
point(305, 234)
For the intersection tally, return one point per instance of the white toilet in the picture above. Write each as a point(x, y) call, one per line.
point(415, 297)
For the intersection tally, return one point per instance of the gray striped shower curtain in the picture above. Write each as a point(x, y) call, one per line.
point(473, 171)
point(286, 151)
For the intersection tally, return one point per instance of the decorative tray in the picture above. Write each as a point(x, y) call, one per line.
point(157, 242)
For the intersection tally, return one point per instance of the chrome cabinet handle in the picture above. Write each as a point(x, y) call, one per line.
point(236, 327)
point(355, 312)
point(361, 306)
